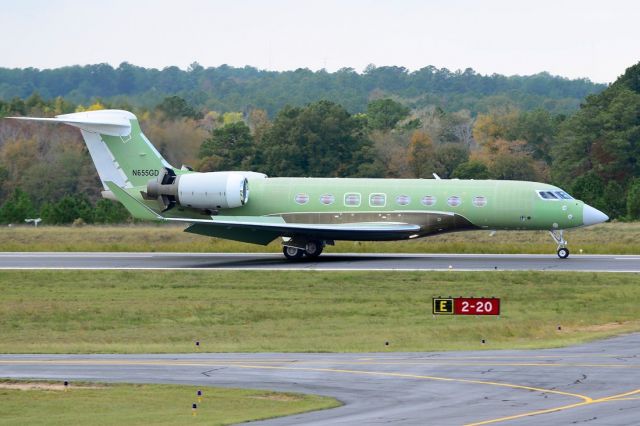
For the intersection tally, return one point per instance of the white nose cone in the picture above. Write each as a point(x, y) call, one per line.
point(591, 216)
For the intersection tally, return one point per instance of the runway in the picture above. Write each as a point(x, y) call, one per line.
point(326, 262)
point(596, 383)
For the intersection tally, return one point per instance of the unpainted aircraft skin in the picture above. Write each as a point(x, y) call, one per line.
point(309, 213)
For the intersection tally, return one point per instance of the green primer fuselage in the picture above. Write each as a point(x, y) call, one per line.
point(507, 204)
point(312, 210)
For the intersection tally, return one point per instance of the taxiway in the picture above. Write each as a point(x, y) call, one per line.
point(597, 383)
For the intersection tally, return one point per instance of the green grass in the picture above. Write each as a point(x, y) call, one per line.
point(615, 238)
point(102, 404)
point(228, 311)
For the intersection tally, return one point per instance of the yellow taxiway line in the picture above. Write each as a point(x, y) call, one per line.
point(619, 397)
point(246, 364)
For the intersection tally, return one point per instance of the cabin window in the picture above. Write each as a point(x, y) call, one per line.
point(352, 199)
point(327, 199)
point(378, 200)
point(302, 198)
point(454, 201)
point(403, 200)
point(480, 201)
point(428, 200)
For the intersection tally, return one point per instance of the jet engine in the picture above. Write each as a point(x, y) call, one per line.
point(207, 191)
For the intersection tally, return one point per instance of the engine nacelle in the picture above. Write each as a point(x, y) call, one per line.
point(207, 191)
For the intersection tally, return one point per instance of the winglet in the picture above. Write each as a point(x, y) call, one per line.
point(135, 207)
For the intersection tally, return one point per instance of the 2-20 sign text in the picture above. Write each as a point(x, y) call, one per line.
point(476, 306)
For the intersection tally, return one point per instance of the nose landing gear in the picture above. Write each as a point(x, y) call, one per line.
point(563, 251)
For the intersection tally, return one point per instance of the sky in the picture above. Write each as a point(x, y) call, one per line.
point(571, 38)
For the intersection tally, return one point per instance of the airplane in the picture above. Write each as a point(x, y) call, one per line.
point(311, 213)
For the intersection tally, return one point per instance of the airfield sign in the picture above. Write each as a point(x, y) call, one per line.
point(442, 306)
point(466, 306)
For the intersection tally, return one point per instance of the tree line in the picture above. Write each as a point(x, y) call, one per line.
point(228, 89)
point(593, 153)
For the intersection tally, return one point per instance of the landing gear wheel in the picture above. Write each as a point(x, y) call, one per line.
point(558, 237)
point(292, 253)
point(314, 248)
point(563, 252)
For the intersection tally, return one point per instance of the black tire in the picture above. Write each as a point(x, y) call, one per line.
point(314, 248)
point(292, 253)
point(563, 253)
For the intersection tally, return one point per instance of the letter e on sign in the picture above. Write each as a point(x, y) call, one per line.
point(442, 306)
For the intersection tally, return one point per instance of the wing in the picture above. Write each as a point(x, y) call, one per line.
point(243, 226)
point(264, 229)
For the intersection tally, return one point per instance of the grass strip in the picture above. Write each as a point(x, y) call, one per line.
point(613, 238)
point(304, 311)
point(46, 403)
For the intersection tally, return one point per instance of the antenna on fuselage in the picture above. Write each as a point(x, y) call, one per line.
point(435, 175)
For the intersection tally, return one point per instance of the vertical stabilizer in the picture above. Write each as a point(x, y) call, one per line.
point(120, 151)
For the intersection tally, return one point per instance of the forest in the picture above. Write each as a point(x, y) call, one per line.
point(385, 122)
point(228, 89)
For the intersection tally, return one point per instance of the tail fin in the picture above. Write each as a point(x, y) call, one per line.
point(120, 151)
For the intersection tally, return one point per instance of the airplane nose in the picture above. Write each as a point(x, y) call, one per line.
point(591, 216)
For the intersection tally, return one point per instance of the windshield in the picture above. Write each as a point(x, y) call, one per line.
point(554, 195)
point(563, 195)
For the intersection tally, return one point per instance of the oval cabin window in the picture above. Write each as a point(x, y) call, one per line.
point(302, 198)
point(403, 200)
point(454, 201)
point(480, 201)
point(352, 200)
point(377, 200)
point(428, 200)
point(327, 199)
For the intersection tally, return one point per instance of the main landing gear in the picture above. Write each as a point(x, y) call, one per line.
point(292, 253)
point(312, 249)
point(563, 251)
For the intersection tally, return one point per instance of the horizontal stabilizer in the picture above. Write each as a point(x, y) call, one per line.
point(107, 122)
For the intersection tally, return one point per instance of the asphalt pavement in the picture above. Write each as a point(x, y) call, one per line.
point(326, 262)
point(596, 383)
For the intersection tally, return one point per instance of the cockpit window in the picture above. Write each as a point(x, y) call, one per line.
point(563, 195)
point(554, 195)
point(547, 195)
